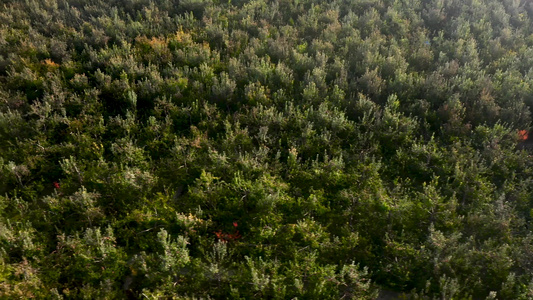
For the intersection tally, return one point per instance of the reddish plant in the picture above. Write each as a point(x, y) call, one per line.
point(523, 135)
point(226, 237)
point(56, 185)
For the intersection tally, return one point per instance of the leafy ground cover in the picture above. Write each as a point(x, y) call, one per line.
point(265, 149)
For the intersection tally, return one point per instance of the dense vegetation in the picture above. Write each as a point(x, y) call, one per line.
point(265, 149)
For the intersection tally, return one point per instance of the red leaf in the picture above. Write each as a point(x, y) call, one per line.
point(523, 135)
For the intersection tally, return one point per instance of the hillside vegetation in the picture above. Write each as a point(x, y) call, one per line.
point(165, 149)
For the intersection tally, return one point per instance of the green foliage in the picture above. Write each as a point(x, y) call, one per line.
point(265, 149)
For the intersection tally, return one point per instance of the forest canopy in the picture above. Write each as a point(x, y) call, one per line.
point(276, 149)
